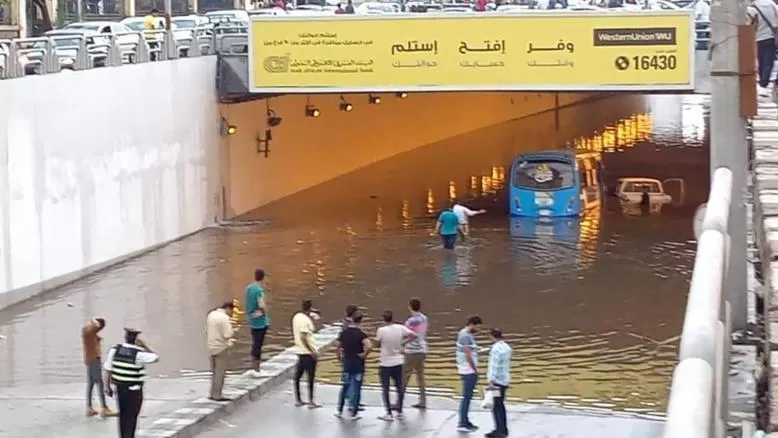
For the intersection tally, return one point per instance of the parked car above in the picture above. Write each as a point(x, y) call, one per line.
point(188, 22)
point(99, 26)
point(375, 8)
point(227, 15)
point(267, 11)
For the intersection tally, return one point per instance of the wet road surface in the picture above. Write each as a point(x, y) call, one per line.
point(593, 316)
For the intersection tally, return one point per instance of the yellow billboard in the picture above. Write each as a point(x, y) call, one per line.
point(542, 50)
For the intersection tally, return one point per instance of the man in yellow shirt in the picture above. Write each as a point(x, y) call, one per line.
point(150, 23)
point(220, 334)
point(303, 327)
point(150, 20)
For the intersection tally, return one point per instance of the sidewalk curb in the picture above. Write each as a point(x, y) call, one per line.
point(199, 414)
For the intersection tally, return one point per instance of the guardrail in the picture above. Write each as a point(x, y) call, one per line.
point(702, 32)
point(698, 406)
point(68, 52)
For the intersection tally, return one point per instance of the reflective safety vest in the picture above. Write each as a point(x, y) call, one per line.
point(124, 369)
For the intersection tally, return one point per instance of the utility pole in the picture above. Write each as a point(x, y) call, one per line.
point(728, 147)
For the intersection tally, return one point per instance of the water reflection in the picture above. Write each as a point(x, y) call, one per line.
point(591, 305)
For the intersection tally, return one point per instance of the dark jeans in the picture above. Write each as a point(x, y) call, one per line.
point(448, 240)
point(468, 387)
point(351, 388)
point(765, 54)
point(130, 402)
point(257, 340)
point(498, 411)
point(306, 364)
point(395, 374)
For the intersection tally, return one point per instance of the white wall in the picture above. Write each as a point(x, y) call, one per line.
point(97, 165)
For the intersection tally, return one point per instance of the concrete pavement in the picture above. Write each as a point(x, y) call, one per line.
point(175, 407)
point(275, 415)
point(36, 411)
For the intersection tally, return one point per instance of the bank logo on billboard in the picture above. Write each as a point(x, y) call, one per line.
point(276, 64)
point(652, 36)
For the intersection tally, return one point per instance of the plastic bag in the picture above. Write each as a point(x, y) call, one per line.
point(488, 400)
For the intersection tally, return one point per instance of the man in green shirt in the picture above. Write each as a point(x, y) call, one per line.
point(448, 227)
point(258, 319)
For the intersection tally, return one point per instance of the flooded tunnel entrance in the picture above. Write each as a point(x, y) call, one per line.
point(592, 312)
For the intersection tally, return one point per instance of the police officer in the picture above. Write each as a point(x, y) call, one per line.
point(125, 368)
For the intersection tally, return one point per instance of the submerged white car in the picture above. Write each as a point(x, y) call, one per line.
point(630, 190)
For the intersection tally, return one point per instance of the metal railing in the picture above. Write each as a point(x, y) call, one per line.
point(702, 32)
point(698, 405)
point(57, 53)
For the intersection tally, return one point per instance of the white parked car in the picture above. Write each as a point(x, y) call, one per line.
point(375, 8)
point(267, 11)
point(228, 15)
point(105, 27)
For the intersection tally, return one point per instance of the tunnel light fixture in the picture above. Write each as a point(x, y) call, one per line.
point(312, 111)
point(374, 100)
point(226, 128)
point(272, 119)
point(402, 95)
point(345, 106)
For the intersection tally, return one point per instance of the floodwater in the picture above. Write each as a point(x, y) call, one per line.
point(593, 315)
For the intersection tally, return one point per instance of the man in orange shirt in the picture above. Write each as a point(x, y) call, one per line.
point(92, 351)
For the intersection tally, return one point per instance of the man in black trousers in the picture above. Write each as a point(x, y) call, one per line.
point(125, 368)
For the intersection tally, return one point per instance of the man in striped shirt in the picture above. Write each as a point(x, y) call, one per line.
point(498, 374)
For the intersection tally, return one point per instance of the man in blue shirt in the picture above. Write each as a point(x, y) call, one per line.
point(498, 374)
point(448, 227)
point(258, 319)
point(467, 366)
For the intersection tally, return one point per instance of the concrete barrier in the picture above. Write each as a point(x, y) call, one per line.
point(101, 165)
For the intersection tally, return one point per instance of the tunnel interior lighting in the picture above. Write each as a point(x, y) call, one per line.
point(345, 106)
point(375, 100)
point(402, 95)
point(226, 128)
point(312, 111)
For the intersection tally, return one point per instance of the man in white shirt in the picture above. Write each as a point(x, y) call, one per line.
point(220, 336)
point(303, 327)
point(765, 14)
point(702, 10)
point(392, 337)
point(464, 214)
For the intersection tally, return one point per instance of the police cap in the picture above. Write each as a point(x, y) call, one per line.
point(131, 331)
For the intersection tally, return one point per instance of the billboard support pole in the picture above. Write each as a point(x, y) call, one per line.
point(728, 147)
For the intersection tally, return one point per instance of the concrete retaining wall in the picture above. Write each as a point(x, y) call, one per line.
point(98, 165)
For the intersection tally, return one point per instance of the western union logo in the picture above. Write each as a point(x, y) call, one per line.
point(650, 36)
point(276, 64)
